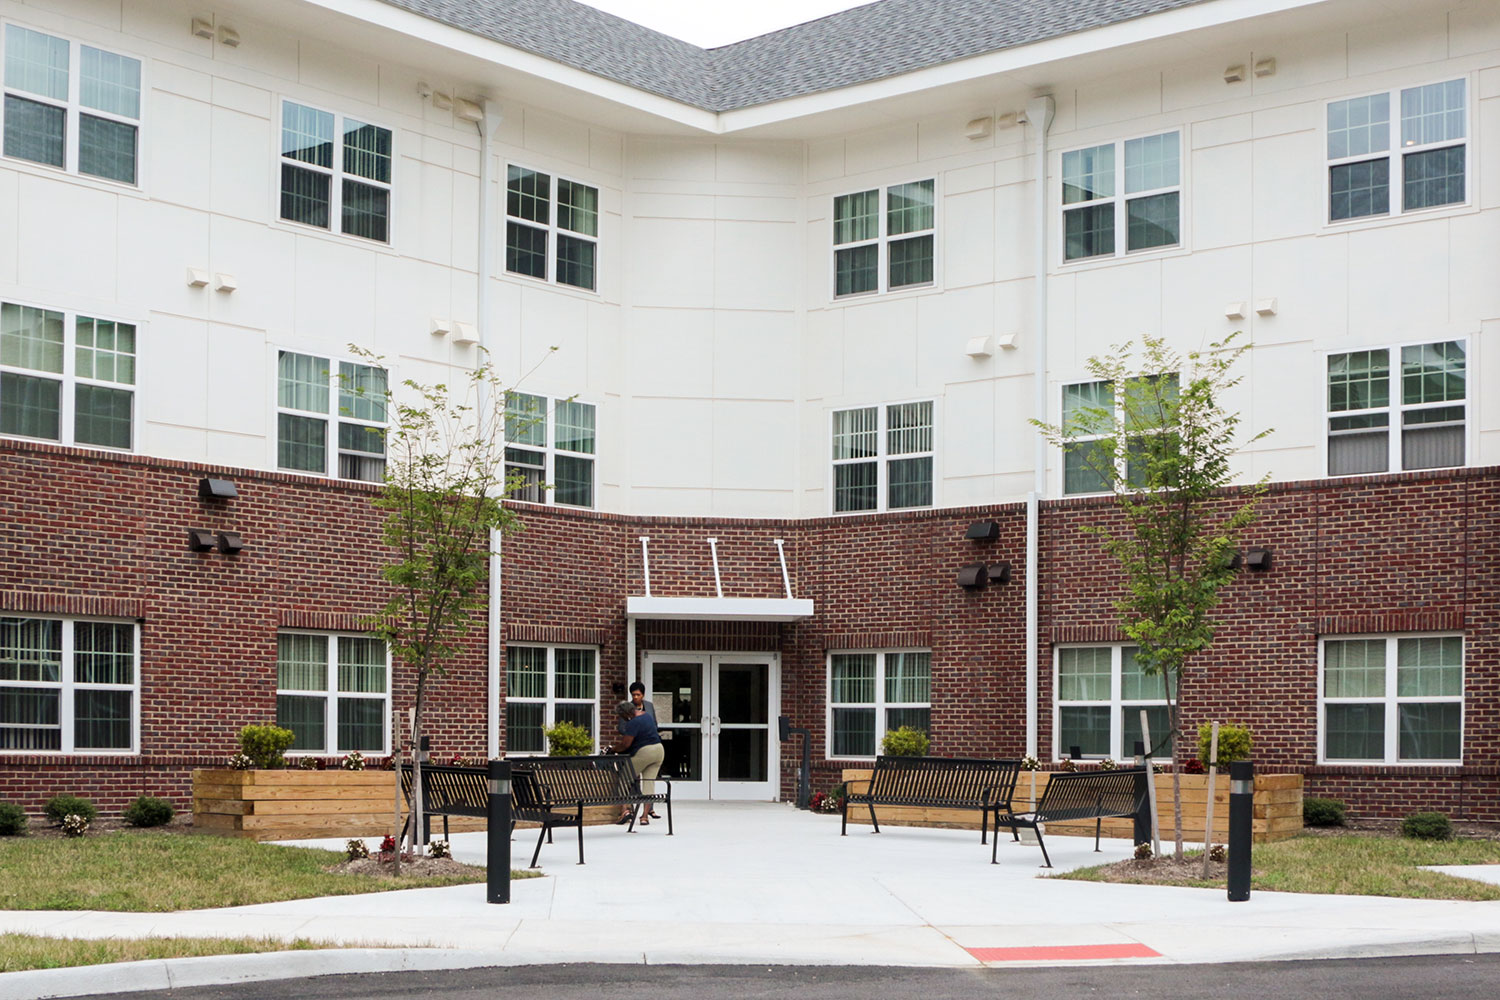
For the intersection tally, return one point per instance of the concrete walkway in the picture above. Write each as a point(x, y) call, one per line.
point(764, 883)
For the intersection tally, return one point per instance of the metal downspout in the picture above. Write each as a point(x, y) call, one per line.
point(1039, 113)
point(487, 123)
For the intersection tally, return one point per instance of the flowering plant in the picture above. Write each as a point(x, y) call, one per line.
point(1030, 763)
point(439, 849)
point(240, 762)
point(74, 825)
point(354, 761)
point(1108, 764)
point(356, 849)
point(311, 763)
point(1143, 852)
point(1067, 764)
point(1192, 766)
point(388, 844)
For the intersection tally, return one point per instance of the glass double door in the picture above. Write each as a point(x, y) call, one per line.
point(717, 717)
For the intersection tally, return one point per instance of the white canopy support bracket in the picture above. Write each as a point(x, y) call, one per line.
point(713, 548)
point(786, 580)
point(646, 564)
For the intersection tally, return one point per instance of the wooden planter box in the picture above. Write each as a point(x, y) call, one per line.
point(1276, 812)
point(293, 804)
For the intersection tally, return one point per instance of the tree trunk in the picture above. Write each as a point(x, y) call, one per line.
point(1176, 778)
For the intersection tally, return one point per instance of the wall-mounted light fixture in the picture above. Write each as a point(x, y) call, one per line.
point(973, 577)
point(999, 572)
point(216, 489)
point(983, 531)
point(230, 542)
point(1258, 560)
point(200, 541)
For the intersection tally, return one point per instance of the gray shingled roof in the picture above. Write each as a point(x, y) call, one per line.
point(855, 46)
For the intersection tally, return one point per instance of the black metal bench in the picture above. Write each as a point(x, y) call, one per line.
point(937, 783)
point(554, 791)
point(1081, 795)
point(447, 790)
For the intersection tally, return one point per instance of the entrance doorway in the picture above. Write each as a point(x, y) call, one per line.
point(716, 713)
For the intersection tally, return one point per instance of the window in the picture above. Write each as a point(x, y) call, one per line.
point(68, 686)
point(306, 394)
point(66, 377)
point(1148, 171)
point(1092, 411)
point(1429, 409)
point(333, 692)
point(549, 441)
point(545, 685)
point(1100, 692)
point(71, 106)
point(883, 239)
point(870, 694)
point(1381, 164)
point(1393, 699)
point(343, 187)
point(882, 457)
point(569, 223)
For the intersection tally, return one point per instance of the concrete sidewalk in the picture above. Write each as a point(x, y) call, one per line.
point(764, 883)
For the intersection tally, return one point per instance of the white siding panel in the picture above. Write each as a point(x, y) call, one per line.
point(671, 352)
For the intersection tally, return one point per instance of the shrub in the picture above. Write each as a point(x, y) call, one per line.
point(12, 820)
point(1427, 826)
point(265, 745)
point(61, 806)
point(356, 849)
point(905, 742)
point(74, 825)
point(149, 811)
point(568, 739)
point(1322, 812)
point(1234, 743)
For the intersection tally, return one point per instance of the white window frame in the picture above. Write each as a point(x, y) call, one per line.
point(332, 451)
point(73, 108)
point(1121, 459)
point(330, 693)
point(335, 174)
point(880, 704)
point(550, 700)
point(1117, 703)
point(1391, 701)
point(882, 242)
point(549, 452)
point(883, 456)
point(67, 686)
point(1395, 155)
point(69, 379)
point(552, 228)
point(1121, 199)
point(1395, 410)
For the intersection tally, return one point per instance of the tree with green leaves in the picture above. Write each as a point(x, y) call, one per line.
point(1152, 429)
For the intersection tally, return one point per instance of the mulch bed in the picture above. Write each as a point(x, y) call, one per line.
point(1163, 871)
point(423, 867)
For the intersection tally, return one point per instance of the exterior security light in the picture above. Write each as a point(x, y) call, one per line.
point(216, 489)
point(983, 531)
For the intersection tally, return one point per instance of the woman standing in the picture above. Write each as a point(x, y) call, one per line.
point(641, 740)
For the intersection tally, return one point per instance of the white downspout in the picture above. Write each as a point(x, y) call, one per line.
point(487, 123)
point(1039, 112)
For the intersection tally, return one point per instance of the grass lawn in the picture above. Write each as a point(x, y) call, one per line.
point(156, 872)
point(19, 952)
point(1353, 865)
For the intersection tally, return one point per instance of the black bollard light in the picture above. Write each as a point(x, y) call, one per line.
point(497, 856)
point(1241, 808)
point(786, 731)
point(1142, 832)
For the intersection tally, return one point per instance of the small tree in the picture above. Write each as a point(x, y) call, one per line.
point(444, 483)
point(1157, 436)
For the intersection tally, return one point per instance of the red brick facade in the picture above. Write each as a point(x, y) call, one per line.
point(106, 536)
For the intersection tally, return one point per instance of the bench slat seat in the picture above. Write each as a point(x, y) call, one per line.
point(937, 783)
point(554, 791)
point(447, 790)
point(1081, 795)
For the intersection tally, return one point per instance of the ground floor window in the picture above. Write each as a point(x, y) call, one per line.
point(545, 685)
point(872, 693)
point(1393, 699)
point(1099, 694)
point(333, 692)
point(68, 686)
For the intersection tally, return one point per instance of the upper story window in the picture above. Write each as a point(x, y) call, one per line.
point(333, 692)
point(68, 686)
point(551, 235)
point(549, 441)
point(1099, 696)
point(1382, 164)
point(883, 239)
point(1134, 185)
point(66, 377)
point(1393, 699)
point(1092, 412)
point(871, 694)
point(882, 457)
point(1428, 408)
point(72, 106)
point(335, 172)
point(545, 685)
point(314, 401)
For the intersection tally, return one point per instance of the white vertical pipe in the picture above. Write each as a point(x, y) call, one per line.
point(646, 564)
point(1039, 113)
point(486, 125)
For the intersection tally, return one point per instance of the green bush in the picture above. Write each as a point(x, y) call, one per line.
point(1234, 743)
point(149, 811)
point(1322, 812)
point(265, 745)
point(12, 820)
point(905, 742)
point(568, 739)
point(63, 805)
point(1427, 826)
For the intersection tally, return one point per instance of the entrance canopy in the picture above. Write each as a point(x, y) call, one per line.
point(740, 609)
